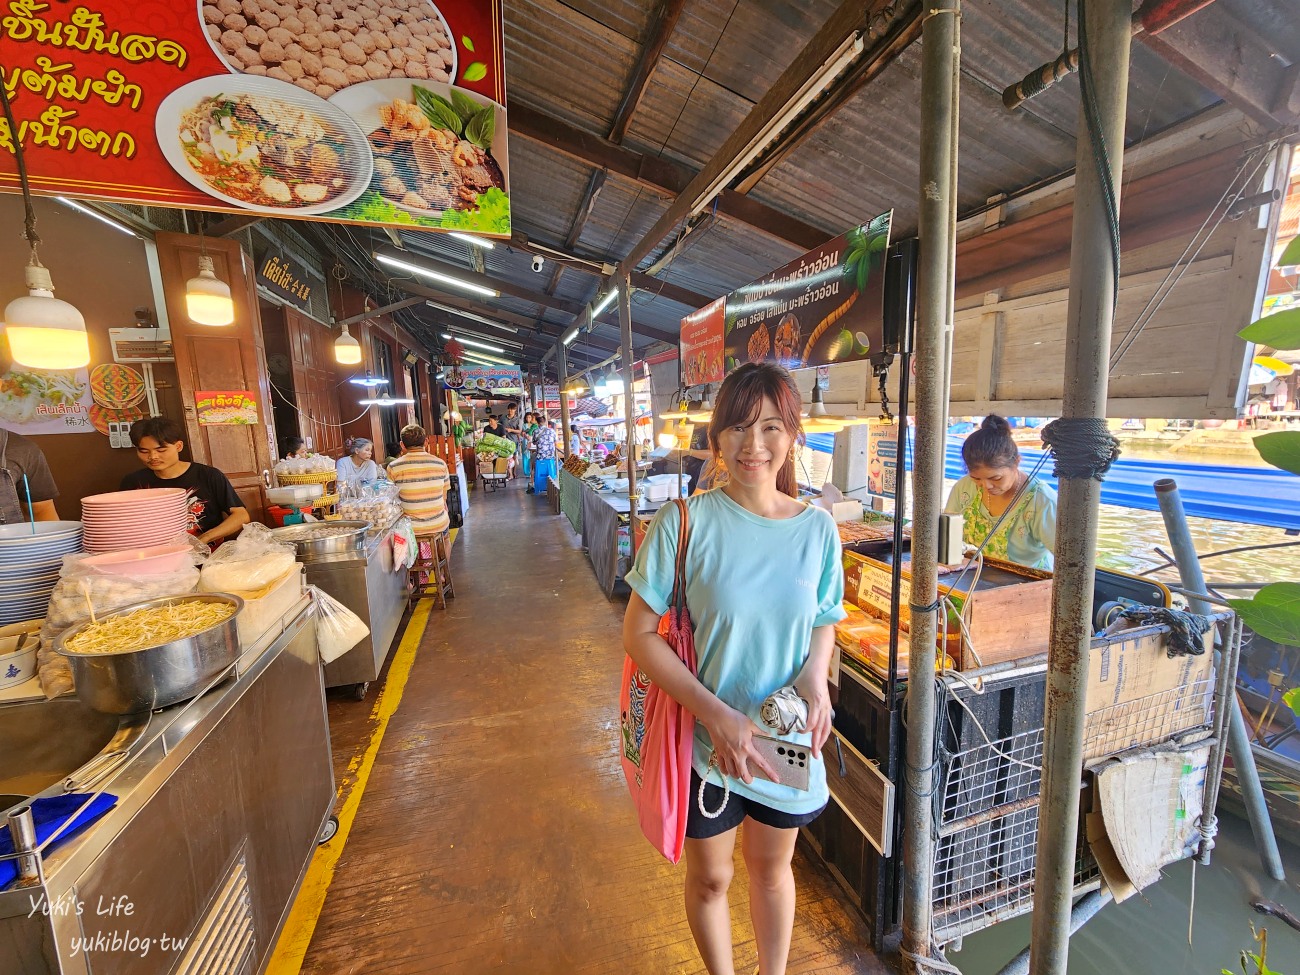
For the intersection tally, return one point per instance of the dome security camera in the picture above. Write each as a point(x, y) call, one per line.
point(538, 261)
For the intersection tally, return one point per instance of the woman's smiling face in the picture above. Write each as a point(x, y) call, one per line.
point(755, 454)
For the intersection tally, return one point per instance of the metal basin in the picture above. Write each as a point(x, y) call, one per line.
point(131, 681)
point(45, 742)
point(346, 538)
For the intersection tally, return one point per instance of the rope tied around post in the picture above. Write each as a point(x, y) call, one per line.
point(1186, 630)
point(1082, 448)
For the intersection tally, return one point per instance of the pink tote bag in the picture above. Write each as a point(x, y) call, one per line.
point(657, 732)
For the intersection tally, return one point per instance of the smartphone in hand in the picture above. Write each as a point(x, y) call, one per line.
point(789, 760)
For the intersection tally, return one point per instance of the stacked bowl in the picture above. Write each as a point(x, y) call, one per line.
point(125, 520)
point(30, 559)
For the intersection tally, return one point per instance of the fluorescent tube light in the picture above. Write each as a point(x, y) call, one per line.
point(483, 359)
point(605, 302)
point(474, 342)
point(470, 315)
point(101, 217)
point(487, 245)
point(573, 334)
point(438, 276)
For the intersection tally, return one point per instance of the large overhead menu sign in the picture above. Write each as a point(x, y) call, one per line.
point(481, 380)
point(826, 307)
point(369, 111)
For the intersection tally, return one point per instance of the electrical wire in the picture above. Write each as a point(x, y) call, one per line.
point(294, 406)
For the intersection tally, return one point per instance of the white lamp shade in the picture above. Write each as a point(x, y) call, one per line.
point(347, 350)
point(207, 297)
point(46, 332)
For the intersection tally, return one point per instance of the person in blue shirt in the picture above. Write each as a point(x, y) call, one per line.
point(357, 465)
point(1000, 503)
point(764, 588)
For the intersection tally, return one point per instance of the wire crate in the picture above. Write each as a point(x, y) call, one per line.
point(1169, 713)
point(988, 835)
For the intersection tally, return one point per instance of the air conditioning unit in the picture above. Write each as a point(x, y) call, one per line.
point(140, 345)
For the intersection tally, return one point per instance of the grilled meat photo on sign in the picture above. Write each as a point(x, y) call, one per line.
point(760, 343)
point(787, 340)
point(423, 164)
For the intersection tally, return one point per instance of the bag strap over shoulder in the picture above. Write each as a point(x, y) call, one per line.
point(679, 571)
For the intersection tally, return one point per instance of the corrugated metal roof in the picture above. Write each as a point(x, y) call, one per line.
point(574, 59)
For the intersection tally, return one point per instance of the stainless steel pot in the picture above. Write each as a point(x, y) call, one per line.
point(309, 549)
point(154, 677)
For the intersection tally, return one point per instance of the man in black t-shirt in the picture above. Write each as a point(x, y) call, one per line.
point(216, 512)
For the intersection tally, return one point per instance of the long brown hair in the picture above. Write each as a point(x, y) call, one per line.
point(741, 400)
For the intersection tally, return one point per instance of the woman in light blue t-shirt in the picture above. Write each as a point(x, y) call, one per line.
point(763, 587)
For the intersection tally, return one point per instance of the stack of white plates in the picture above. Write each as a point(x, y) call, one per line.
point(134, 519)
point(29, 566)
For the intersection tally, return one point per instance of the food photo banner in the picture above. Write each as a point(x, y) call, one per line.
point(225, 407)
point(468, 380)
point(367, 111)
point(826, 307)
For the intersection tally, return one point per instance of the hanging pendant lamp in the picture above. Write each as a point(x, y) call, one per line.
point(207, 297)
point(44, 332)
point(347, 350)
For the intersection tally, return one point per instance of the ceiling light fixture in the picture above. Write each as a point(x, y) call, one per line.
point(347, 350)
point(573, 334)
point(386, 400)
point(101, 217)
point(44, 332)
point(483, 359)
point(207, 298)
point(369, 380)
point(487, 346)
point(470, 315)
point(438, 276)
point(487, 245)
point(605, 302)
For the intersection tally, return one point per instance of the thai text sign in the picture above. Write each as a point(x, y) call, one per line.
point(826, 307)
point(41, 401)
point(285, 277)
point(469, 380)
point(368, 111)
point(701, 345)
point(225, 407)
point(548, 398)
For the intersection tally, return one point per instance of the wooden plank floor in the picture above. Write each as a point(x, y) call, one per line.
point(495, 833)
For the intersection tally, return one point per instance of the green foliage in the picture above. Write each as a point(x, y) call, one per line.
point(1251, 963)
point(475, 72)
point(1273, 612)
point(374, 207)
point(1291, 255)
point(1292, 699)
point(1281, 330)
point(1281, 449)
point(481, 128)
point(469, 45)
point(490, 215)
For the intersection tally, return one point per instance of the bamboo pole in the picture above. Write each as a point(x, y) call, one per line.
point(940, 57)
point(1088, 329)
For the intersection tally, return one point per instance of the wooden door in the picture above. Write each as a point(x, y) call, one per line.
point(230, 357)
point(315, 381)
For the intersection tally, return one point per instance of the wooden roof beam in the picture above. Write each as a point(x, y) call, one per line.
point(662, 24)
point(1212, 48)
point(661, 176)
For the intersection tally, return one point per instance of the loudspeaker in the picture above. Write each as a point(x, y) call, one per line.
point(901, 262)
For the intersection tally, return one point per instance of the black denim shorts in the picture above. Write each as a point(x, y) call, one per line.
point(700, 827)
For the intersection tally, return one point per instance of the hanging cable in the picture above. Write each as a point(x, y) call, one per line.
point(1100, 151)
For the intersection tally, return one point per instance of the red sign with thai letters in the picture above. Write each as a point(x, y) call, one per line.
point(365, 111)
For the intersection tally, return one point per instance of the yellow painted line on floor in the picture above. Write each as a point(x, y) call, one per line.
point(296, 936)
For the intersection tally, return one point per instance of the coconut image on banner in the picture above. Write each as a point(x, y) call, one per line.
point(826, 307)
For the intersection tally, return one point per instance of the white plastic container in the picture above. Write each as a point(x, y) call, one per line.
point(292, 494)
point(263, 611)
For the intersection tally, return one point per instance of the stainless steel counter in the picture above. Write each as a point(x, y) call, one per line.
point(219, 809)
point(370, 588)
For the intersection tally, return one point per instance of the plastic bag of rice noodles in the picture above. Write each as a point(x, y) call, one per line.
point(498, 445)
point(250, 562)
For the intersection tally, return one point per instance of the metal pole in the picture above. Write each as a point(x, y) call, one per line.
point(22, 833)
point(1243, 758)
point(629, 402)
point(1088, 907)
point(941, 50)
point(563, 358)
point(1106, 24)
